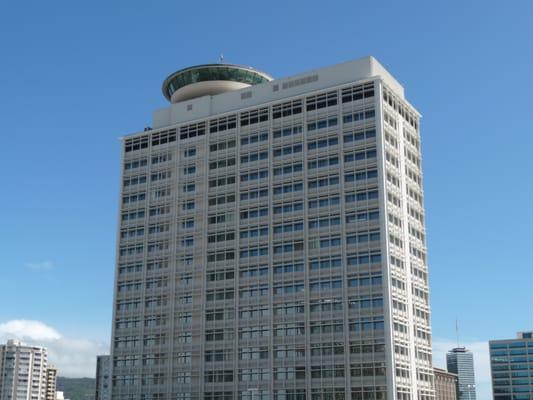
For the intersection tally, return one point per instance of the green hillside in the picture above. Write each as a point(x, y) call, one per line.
point(76, 388)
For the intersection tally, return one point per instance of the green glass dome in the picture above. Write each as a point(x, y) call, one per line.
point(240, 75)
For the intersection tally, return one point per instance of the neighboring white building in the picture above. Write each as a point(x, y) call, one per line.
point(51, 382)
point(272, 241)
point(23, 371)
point(103, 378)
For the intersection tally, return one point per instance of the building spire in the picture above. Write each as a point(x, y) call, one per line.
point(457, 330)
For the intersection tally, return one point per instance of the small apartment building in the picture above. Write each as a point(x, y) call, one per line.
point(51, 383)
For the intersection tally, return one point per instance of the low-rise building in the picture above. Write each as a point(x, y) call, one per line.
point(445, 384)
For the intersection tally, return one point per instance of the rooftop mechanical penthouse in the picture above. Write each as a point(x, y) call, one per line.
point(272, 241)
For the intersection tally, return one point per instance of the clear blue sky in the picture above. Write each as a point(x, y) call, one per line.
point(75, 76)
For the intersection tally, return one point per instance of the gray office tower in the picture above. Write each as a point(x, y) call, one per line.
point(460, 361)
point(103, 378)
point(272, 242)
point(511, 364)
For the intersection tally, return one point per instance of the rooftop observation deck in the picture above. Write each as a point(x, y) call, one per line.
point(210, 79)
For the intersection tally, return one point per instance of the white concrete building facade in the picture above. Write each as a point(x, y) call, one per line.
point(23, 371)
point(272, 241)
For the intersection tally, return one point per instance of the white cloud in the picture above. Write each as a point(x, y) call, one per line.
point(28, 330)
point(75, 357)
point(480, 350)
point(40, 266)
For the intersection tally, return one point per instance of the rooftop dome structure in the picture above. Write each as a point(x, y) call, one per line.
point(210, 79)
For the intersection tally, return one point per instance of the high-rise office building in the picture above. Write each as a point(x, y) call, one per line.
point(103, 378)
point(272, 241)
point(511, 364)
point(445, 385)
point(23, 371)
point(460, 361)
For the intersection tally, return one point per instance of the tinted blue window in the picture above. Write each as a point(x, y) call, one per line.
point(498, 346)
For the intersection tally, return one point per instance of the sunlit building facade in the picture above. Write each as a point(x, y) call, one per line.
point(272, 242)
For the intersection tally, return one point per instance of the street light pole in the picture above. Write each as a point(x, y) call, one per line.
point(469, 387)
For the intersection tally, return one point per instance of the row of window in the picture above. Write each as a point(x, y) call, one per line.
point(323, 202)
point(262, 353)
point(261, 232)
point(297, 329)
point(251, 271)
point(323, 393)
point(320, 163)
point(226, 123)
point(256, 138)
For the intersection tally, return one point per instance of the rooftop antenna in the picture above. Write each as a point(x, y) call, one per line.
point(457, 330)
point(221, 58)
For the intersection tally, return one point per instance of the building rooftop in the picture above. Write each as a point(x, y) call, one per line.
point(520, 336)
point(443, 371)
point(195, 97)
point(459, 350)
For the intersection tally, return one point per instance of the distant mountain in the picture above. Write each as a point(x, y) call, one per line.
point(77, 388)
